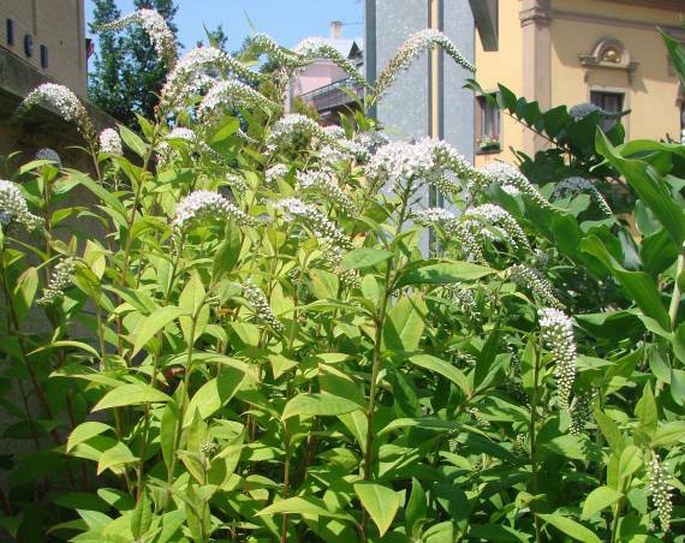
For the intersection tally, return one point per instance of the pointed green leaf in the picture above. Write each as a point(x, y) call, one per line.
point(380, 502)
point(599, 499)
point(571, 528)
point(132, 394)
point(404, 324)
point(443, 274)
point(86, 430)
point(215, 393)
point(313, 405)
point(443, 368)
point(151, 325)
point(309, 506)
point(114, 457)
point(364, 257)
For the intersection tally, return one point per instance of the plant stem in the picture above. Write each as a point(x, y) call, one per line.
point(533, 439)
point(675, 297)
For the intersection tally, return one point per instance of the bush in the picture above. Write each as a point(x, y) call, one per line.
point(260, 346)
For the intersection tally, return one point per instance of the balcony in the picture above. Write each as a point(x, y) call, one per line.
point(334, 96)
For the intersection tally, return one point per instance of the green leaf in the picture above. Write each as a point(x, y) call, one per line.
point(486, 361)
point(215, 393)
point(417, 506)
point(149, 326)
point(610, 431)
point(630, 461)
point(677, 53)
point(364, 257)
point(571, 528)
point(650, 186)
point(228, 253)
point(443, 368)
point(309, 507)
point(599, 499)
point(68, 343)
point(638, 285)
point(313, 405)
point(404, 324)
point(84, 431)
point(646, 412)
point(132, 141)
point(443, 274)
point(25, 292)
point(192, 301)
point(141, 519)
point(380, 502)
point(114, 457)
point(132, 394)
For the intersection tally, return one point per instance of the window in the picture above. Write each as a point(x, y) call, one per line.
point(611, 102)
point(487, 124)
point(10, 32)
point(43, 56)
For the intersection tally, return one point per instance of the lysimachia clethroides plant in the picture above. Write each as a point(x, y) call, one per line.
point(244, 336)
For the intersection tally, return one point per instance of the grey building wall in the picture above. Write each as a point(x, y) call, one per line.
point(405, 109)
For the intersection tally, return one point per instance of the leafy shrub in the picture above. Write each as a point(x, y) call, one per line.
point(256, 346)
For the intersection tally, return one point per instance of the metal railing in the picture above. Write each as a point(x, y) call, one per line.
point(333, 95)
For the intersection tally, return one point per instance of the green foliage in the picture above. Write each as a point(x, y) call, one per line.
point(223, 362)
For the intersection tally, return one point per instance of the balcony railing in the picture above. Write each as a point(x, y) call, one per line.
point(334, 95)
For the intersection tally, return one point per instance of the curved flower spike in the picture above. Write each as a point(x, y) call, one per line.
point(410, 50)
point(67, 104)
point(154, 24)
point(13, 208)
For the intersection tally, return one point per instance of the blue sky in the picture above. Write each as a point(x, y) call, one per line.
point(287, 21)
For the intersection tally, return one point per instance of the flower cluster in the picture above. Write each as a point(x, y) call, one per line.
point(262, 309)
point(59, 280)
point(67, 104)
point(463, 229)
point(576, 185)
point(263, 43)
point(434, 161)
point(205, 204)
point(110, 142)
point(295, 131)
point(581, 411)
point(313, 48)
point(236, 182)
point(197, 71)
point(511, 180)
point(439, 216)
point(580, 111)
point(46, 153)
point(13, 208)
point(179, 133)
point(312, 218)
point(324, 183)
point(494, 215)
point(557, 334)
point(277, 171)
point(410, 50)
point(232, 93)
point(529, 278)
point(661, 491)
point(154, 24)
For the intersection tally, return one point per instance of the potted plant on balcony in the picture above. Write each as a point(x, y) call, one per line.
point(489, 144)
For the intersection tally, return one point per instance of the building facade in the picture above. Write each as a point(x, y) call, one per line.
point(326, 86)
point(428, 99)
point(606, 52)
point(49, 35)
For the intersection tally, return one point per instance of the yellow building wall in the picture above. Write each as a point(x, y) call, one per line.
point(651, 93)
point(57, 24)
point(576, 26)
point(503, 66)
